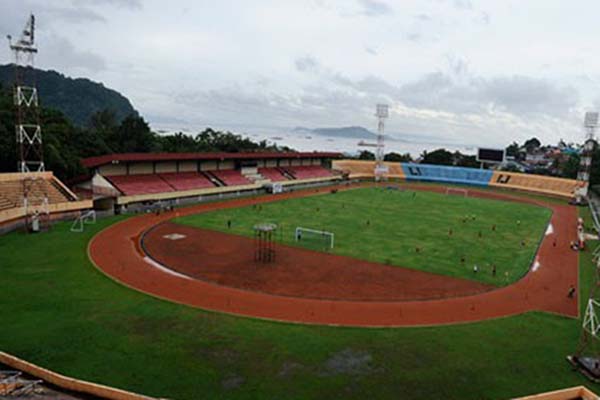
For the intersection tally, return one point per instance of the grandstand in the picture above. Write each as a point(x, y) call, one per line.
point(462, 176)
point(61, 200)
point(115, 180)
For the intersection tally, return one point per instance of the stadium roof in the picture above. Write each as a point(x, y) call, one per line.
point(93, 162)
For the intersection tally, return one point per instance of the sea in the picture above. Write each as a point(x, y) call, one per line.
point(305, 140)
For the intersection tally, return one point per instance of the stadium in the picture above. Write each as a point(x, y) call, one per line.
point(397, 253)
point(264, 272)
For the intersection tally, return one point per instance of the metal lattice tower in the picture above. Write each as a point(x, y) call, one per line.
point(590, 124)
point(587, 356)
point(27, 122)
point(382, 113)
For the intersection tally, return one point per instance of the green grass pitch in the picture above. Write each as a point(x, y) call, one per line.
point(404, 228)
point(58, 311)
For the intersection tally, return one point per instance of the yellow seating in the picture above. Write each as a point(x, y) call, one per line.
point(366, 169)
point(534, 183)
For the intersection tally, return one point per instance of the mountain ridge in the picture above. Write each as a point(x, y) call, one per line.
point(77, 98)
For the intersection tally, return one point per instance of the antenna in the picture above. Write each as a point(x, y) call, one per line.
point(590, 123)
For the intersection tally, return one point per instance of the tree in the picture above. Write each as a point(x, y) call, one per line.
point(466, 161)
point(570, 167)
point(396, 157)
point(513, 149)
point(439, 157)
point(532, 144)
point(366, 155)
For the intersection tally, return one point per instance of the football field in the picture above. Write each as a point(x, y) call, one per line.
point(433, 232)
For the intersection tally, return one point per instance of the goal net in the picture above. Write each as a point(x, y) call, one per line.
point(84, 218)
point(314, 238)
point(457, 191)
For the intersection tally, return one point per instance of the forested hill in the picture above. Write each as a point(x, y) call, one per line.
point(78, 99)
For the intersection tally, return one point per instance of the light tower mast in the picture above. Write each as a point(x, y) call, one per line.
point(590, 124)
point(28, 130)
point(382, 113)
point(27, 122)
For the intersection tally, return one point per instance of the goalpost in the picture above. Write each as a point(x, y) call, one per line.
point(88, 217)
point(314, 235)
point(457, 191)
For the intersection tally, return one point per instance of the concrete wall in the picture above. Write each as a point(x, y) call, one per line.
point(141, 168)
point(166, 166)
point(188, 166)
point(113, 169)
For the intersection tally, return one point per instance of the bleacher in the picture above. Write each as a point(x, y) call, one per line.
point(5, 203)
point(534, 183)
point(12, 191)
point(308, 172)
point(44, 192)
point(460, 175)
point(272, 174)
point(446, 174)
point(356, 168)
point(139, 184)
point(186, 180)
point(231, 177)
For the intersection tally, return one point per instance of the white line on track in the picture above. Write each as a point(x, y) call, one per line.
point(156, 265)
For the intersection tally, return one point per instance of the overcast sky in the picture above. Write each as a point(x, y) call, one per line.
point(478, 72)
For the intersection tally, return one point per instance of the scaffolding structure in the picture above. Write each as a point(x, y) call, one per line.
point(28, 129)
point(264, 242)
point(587, 356)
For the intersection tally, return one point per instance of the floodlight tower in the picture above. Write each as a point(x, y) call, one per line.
point(587, 356)
point(27, 122)
point(590, 124)
point(382, 113)
point(28, 130)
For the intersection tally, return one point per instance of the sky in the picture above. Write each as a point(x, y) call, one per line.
point(482, 73)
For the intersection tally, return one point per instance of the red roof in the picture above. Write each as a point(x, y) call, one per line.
point(93, 162)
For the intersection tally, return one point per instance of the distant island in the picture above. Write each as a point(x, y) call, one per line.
point(349, 132)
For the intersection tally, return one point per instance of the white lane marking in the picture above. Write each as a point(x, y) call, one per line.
point(549, 230)
point(174, 236)
point(161, 267)
point(535, 266)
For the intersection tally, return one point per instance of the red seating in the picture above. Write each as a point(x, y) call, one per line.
point(272, 174)
point(140, 184)
point(186, 180)
point(309, 172)
point(231, 177)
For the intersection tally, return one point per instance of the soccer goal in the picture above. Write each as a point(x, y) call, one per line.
point(314, 237)
point(88, 217)
point(457, 191)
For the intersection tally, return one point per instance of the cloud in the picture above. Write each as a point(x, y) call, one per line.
point(131, 4)
point(374, 8)
point(306, 63)
point(371, 50)
point(61, 54)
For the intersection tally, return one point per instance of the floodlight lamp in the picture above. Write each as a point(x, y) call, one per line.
point(591, 119)
point(382, 111)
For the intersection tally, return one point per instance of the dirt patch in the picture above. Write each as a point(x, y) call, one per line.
point(348, 362)
point(296, 272)
point(232, 382)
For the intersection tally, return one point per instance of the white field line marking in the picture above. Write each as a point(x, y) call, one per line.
point(536, 265)
point(549, 230)
point(161, 267)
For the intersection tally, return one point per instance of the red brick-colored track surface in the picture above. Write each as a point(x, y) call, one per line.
point(228, 260)
point(115, 251)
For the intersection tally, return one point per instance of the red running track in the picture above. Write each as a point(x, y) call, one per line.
point(116, 252)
